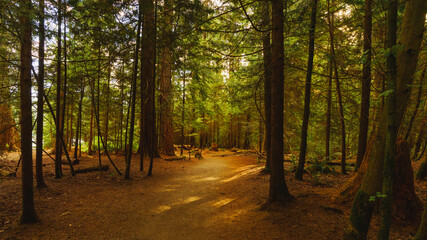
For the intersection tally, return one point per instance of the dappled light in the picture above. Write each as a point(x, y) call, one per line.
point(213, 119)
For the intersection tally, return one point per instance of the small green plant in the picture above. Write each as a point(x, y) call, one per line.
point(377, 195)
point(317, 177)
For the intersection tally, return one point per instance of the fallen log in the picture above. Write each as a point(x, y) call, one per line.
point(74, 162)
point(175, 158)
point(93, 169)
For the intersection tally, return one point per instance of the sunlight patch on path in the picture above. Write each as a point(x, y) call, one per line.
point(164, 208)
point(243, 173)
point(223, 202)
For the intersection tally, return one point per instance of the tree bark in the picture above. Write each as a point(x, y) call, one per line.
point(391, 133)
point(422, 231)
point(417, 104)
point(266, 45)
point(133, 93)
point(304, 129)
point(79, 118)
point(28, 211)
point(366, 84)
point(412, 32)
point(58, 167)
point(40, 93)
point(148, 85)
point(337, 83)
point(166, 126)
point(278, 189)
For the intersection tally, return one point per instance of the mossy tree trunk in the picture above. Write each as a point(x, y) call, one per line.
point(411, 38)
point(422, 231)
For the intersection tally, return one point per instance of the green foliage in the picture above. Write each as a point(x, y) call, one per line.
point(377, 195)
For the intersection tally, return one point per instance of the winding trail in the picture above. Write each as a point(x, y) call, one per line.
point(189, 205)
point(191, 200)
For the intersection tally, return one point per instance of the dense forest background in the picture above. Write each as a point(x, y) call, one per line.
point(157, 77)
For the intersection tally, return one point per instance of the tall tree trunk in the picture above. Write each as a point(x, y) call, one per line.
point(133, 92)
point(40, 93)
point(266, 45)
point(411, 38)
point(148, 86)
point(391, 134)
point(366, 84)
point(107, 110)
point(64, 94)
point(166, 126)
point(303, 146)
point(58, 167)
point(417, 104)
point(79, 119)
point(89, 149)
point(98, 110)
point(70, 123)
point(328, 112)
point(183, 111)
point(278, 189)
point(337, 83)
point(28, 212)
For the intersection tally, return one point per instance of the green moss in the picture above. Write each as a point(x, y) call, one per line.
point(360, 217)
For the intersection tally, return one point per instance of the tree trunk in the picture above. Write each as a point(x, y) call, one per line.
point(420, 139)
point(391, 133)
point(266, 45)
point(40, 93)
point(107, 110)
point(183, 111)
point(79, 119)
point(148, 86)
point(328, 112)
point(166, 126)
point(278, 189)
point(366, 84)
point(304, 129)
point(406, 206)
point(28, 212)
point(422, 231)
point(412, 32)
point(89, 149)
point(58, 167)
point(133, 92)
point(337, 82)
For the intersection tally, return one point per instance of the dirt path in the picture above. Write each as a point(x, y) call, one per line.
point(217, 197)
point(185, 202)
point(188, 205)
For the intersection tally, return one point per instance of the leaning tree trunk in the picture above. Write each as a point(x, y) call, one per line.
point(278, 189)
point(28, 212)
point(412, 32)
point(304, 129)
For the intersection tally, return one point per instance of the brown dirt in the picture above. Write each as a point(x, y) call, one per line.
point(218, 197)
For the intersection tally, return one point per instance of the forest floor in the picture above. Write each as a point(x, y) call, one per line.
point(217, 197)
